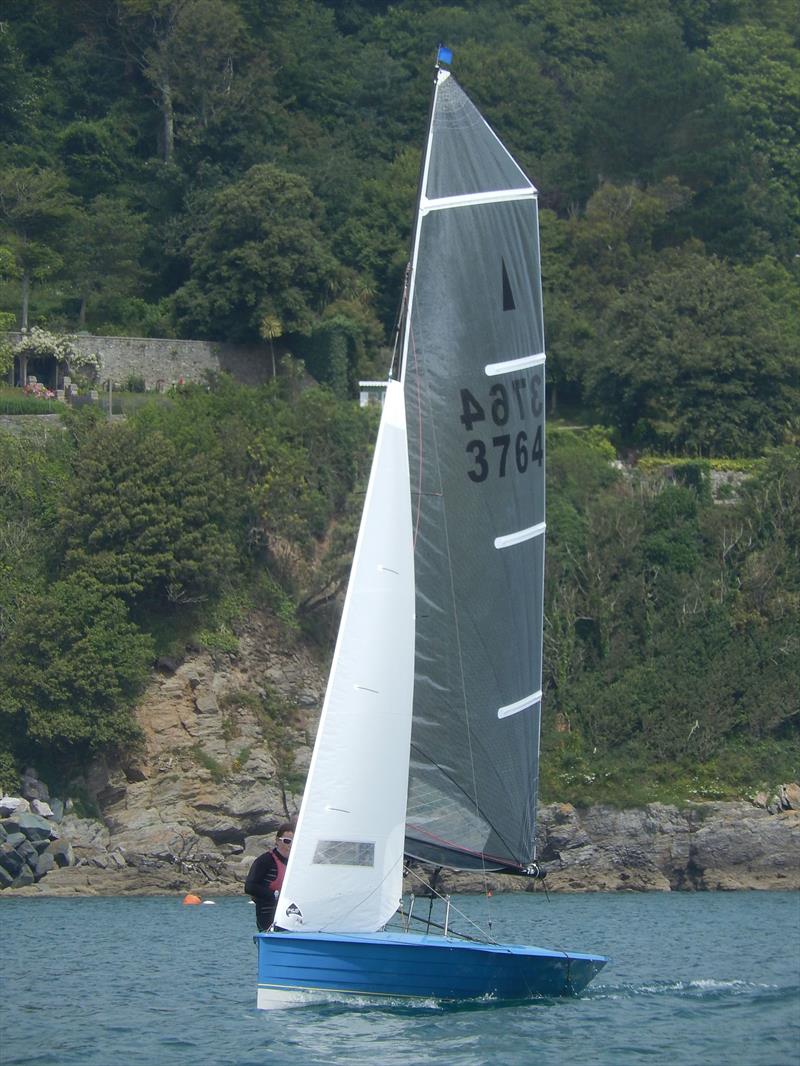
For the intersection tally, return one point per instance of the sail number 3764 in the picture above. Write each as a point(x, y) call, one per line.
point(509, 450)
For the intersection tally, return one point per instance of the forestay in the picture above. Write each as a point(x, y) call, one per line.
point(473, 375)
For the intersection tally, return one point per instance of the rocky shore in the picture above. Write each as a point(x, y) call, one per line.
point(212, 781)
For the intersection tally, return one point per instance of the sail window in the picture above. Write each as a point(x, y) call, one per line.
point(520, 535)
point(520, 705)
point(510, 365)
point(344, 853)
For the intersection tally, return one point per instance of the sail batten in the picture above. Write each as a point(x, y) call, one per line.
point(495, 196)
point(508, 366)
point(520, 705)
point(508, 540)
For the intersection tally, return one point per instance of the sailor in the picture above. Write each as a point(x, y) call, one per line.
point(266, 876)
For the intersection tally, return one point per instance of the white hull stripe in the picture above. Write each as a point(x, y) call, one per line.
point(520, 536)
point(510, 365)
point(474, 199)
point(520, 705)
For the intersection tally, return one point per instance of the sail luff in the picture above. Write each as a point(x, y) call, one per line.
point(441, 75)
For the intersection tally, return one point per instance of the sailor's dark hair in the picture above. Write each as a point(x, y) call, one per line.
point(285, 827)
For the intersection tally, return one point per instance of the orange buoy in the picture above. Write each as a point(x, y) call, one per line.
point(191, 898)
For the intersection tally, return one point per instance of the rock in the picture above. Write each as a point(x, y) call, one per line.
point(24, 877)
point(167, 664)
point(85, 832)
point(62, 852)
point(790, 797)
point(57, 807)
point(10, 805)
point(206, 703)
point(32, 787)
point(44, 864)
point(28, 853)
point(33, 826)
point(41, 808)
point(3, 833)
point(220, 829)
point(761, 799)
point(740, 846)
point(6, 880)
point(15, 839)
point(10, 860)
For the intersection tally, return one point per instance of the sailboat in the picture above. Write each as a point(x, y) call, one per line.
point(428, 742)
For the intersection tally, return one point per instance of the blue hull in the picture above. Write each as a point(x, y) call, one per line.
point(305, 967)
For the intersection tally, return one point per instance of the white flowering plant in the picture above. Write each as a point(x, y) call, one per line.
point(41, 342)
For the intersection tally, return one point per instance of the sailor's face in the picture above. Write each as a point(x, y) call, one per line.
point(283, 844)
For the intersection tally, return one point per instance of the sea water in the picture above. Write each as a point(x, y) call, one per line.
point(694, 978)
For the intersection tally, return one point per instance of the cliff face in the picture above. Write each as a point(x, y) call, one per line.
point(213, 780)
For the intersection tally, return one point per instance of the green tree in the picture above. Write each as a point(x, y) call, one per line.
point(758, 66)
point(106, 242)
point(695, 357)
point(35, 207)
point(146, 520)
point(258, 251)
point(71, 668)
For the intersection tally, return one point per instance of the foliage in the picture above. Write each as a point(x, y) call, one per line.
point(41, 342)
point(693, 359)
point(258, 251)
point(241, 171)
point(145, 520)
point(71, 667)
point(670, 624)
point(32, 400)
point(208, 762)
point(206, 167)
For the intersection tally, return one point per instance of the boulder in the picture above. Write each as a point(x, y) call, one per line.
point(33, 826)
point(790, 797)
point(28, 853)
point(33, 788)
point(44, 864)
point(24, 877)
point(15, 839)
point(62, 852)
point(57, 807)
point(6, 880)
point(41, 808)
point(10, 860)
point(10, 805)
point(206, 703)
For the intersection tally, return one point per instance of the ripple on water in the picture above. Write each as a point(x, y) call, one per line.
point(146, 982)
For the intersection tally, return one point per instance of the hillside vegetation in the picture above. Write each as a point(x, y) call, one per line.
point(233, 170)
point(671, 644)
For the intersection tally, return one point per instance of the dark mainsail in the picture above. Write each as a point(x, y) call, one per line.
point(473, 374)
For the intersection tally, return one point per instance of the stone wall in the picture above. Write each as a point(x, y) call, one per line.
point(162, 362)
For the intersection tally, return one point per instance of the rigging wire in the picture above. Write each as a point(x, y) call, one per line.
point(434, 892)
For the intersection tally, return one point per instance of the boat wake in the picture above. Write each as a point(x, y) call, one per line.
point(700, 989)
